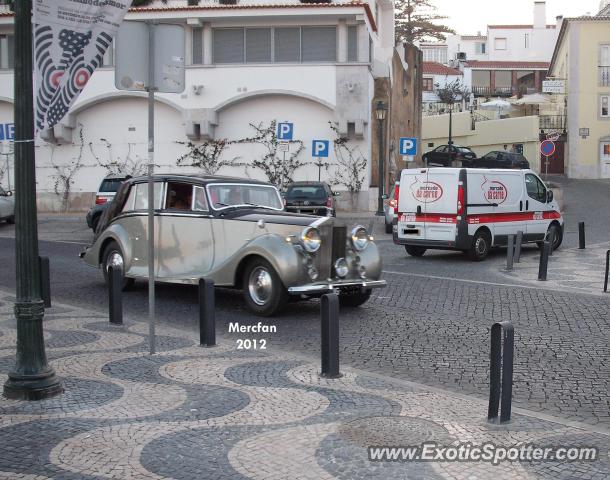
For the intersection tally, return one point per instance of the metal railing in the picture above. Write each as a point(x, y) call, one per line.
point(552, 122)
point(604, 76)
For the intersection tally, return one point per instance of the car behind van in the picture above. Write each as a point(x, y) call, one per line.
point(473, 210)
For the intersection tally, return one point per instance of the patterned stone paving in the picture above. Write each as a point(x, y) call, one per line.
point(217, 413)
point(569, 270)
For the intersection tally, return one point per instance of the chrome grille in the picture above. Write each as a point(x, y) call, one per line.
point(324, 255)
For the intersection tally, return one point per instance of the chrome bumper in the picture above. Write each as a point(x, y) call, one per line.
point(332, 286)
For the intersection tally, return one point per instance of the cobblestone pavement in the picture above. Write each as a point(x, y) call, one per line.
point(570, 270)
point(219, 413)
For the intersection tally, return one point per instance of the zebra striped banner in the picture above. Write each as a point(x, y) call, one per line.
point(70, 40)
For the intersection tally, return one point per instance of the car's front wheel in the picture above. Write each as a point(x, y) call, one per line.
point(264, 292)
point(113, 257)
point(353, 300)
point(557, 236)
point(481, 244)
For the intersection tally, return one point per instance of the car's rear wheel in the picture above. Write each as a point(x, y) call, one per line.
point(113, 257)
point(481, 244)
point(557, 236)
point(264, 292)
point(353, 300)
point(415, 251)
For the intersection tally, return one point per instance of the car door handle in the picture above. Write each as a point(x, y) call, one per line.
point(521, 206)
point(527, 205)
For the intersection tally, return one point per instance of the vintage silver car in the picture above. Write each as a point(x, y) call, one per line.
point(235, 232)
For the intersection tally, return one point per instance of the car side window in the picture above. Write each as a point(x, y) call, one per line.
point(442, 149)
point(141, 196)
point(535, 188)
point(128, 206)
point(200, 202)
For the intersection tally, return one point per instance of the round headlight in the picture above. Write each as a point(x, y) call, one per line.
point(313, 273)
point(311, 240)
point(359, 238)
point(341, 268)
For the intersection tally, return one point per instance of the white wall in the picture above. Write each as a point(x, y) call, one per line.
point(455, 44)
point(541, 44)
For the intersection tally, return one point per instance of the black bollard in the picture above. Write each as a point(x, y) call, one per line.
point(329, 312)
point(544, 261)
point(607, 269)
point(207, 312)
point(581, 235)
point(518, 243)
point(115, 293)
point(501, 372)
point(551, 240)
point(45, 281)
point(510, 253)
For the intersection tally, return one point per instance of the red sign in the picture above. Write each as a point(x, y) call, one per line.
point(426, 191)
point(496, 192)
point(547, 148)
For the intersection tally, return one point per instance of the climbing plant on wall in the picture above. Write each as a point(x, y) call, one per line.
point(350, 170)
point(206, 156)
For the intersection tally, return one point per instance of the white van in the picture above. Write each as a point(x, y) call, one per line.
point(472, 210)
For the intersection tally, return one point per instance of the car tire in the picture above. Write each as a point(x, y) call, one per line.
point(481, 245)
point(114, 256)
point(353, 300)
point(388, 228)
point(557, 239)
point(11, 220)
point(263, 290)
point(415, 251)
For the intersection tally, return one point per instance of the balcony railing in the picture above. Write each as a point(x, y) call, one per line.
point(552, 122)
point(502, 91)
point(604, 76)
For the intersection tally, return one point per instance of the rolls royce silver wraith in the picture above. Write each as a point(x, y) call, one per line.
point(235, 232)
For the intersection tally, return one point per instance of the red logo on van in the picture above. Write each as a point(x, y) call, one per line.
point(494, 191)
point(426, 191)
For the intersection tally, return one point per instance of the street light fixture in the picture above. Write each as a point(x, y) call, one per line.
point(31, 378)
point(381, 111)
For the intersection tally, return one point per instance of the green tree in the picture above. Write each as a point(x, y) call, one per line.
point(415, 20)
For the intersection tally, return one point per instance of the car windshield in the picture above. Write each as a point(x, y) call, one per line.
point(463, 149)
point(227, 195)
point(111, 185)
point(305, 191)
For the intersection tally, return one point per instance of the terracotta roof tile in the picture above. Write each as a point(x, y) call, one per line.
point(491, 64)
point(434, 68)
point(518, 27)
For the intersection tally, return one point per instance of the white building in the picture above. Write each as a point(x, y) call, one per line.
point(467, 47)
point(435, 76)
point(434, 52)
point(250, 63)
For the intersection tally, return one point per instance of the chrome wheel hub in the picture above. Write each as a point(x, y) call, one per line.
point(260, 285)
point(115, 260)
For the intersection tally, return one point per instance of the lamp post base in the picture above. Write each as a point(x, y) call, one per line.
point(379, 214)
point(32, 387)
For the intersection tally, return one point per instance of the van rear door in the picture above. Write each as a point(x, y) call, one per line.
point(441, 198)
point(411, 207)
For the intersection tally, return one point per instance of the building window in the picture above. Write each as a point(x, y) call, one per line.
point(604, 66)
point(228, 45)
point(500, 43)
point(258, 45)
point(527, 40)
point(428, 85)
point(604, 106)
point(197, 46)
point(7, 51)
point(503, 81)
point(352, 43)
point(319, 44)
point(287, 44)
point(480, 48)
point(481, 82)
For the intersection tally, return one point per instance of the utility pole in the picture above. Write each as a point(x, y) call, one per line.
point(31, 378)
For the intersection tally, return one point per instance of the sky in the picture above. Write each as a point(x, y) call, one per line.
point(470, 16)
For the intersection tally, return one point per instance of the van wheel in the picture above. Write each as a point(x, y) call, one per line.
point(263, 290)
point(557, 236)
point(415, 251)
point(388, 228)
point(481, 244)
point(113, 257)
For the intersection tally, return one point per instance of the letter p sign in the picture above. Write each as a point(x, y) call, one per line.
point(284, 131)
point(408, 146)
point(319, 148)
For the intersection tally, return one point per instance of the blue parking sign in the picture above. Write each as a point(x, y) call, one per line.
point(284, 131)
point(319, 148)
point(408, 146)
point(7, 131)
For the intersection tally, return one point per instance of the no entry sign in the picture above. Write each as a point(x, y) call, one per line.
point(547, 148)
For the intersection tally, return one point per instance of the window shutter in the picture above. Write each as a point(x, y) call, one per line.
point(197, 45)
point(258, 45)
point(228, 45)
point(319, 44)
point(287, 44)
point(352, 43)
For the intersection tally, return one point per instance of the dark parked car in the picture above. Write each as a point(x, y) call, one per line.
point(105, 193)
point(314, 198)
point(445, 155)
point(499, 159)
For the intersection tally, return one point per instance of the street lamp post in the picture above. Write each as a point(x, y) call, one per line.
point(381, 111)
point(31, 378)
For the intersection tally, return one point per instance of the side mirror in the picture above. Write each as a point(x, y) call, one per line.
point(549, 196)
point(336, 194)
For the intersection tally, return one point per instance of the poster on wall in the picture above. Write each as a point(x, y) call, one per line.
point(70, 40)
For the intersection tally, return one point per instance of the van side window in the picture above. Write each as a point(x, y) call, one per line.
point(535, 188)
